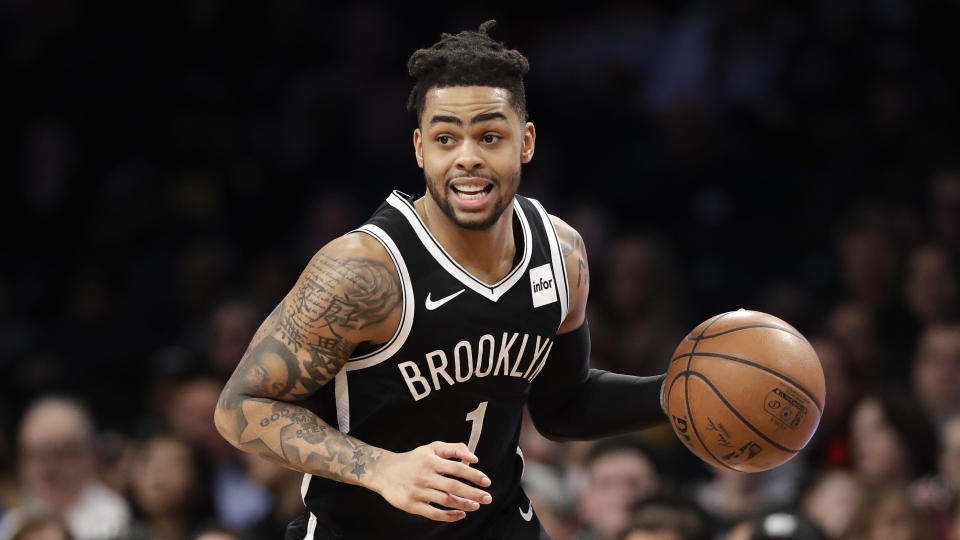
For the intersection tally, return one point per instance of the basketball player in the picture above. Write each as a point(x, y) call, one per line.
point(395, 371)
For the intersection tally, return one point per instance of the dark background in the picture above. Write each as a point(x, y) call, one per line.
point(161, 160)
point(741, 132)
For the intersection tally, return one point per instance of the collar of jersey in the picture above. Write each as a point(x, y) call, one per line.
point(401, 201)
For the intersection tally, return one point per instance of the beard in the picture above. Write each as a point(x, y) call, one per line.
point(499, 206)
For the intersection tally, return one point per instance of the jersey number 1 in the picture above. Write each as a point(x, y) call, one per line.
point(476, 418)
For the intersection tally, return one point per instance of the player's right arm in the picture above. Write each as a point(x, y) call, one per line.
point(350, 293)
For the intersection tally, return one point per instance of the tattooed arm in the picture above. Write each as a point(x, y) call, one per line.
point(349, 293)
point(568, 400)
point(578, 274)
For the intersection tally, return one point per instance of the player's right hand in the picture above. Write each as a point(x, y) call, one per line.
point(412, 480)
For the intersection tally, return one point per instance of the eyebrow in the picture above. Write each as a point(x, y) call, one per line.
point(483, 117)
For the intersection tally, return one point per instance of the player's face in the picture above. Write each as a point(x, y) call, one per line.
point(470, 145)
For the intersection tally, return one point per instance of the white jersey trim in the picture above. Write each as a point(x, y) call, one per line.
point(342, 393)
point(491, 292)
point(312, 522)
point(311, 527)
point(305, 486)
point(406, 317)
point(556, 255)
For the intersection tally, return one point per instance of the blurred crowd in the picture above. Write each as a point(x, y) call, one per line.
point(171, 167)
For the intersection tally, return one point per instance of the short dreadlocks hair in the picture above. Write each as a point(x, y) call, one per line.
point(470, 58)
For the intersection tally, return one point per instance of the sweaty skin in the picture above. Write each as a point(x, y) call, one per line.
point(350, 294)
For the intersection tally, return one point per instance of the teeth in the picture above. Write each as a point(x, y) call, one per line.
point(470, 188)
point(471, 196)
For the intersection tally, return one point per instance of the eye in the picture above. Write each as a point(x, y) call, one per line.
point(444, 139)
point(491, 138)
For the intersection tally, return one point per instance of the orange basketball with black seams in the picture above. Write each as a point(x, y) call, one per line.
point(744, 391)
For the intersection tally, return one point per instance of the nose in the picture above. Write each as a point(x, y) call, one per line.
point(469, 158)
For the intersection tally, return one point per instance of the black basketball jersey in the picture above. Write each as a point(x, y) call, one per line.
point(458, 369)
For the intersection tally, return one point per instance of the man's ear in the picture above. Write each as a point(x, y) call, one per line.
point(529, 142)
point(418, 146)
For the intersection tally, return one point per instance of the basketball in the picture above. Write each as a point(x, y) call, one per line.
point(744, 391)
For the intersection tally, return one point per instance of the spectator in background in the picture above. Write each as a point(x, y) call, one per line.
point(58, 469)
point(169, 367)
point(203, 267)
point(831, 500)
point(663, 518)
point(216, 533)
point(284, 487)
point(8, 476)
point(948, 463)
point(117, 453)
point(854, 328)
point(930, 284)
point(230, 325)
point(886, 513)
point(551, 500)
point(43, 527)
point(830, 442)
point(171, 488)
point(789, 300)
point(869, 256)
point(938, 495)
point(640, 290)
point(536, 447)
point(239, 502)
point(936, 371)
point(189, 416)
point(778, 525)
point(732, 496)
point(271, 279)
point(955, 528)
point(945, 194)
point(327, 216)
point(892, 441)
point(621, 473)
point(640, 283)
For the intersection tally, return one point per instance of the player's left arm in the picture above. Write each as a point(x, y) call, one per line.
point(568, 400)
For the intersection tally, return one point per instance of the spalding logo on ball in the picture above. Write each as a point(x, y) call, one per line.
point(744, 391)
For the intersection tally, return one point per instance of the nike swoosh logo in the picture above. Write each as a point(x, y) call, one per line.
point(528, 515)
point(434, 304)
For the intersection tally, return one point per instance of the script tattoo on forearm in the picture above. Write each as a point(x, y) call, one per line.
point(299, 348)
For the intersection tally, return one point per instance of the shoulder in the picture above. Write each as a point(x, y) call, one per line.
point(578, 273)
point(355, 252)
point(570, 241)
point(352, 284)
point(356, 244)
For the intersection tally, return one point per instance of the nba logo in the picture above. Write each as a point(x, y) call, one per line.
point(542, 286)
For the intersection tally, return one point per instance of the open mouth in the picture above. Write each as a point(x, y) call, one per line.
point(472, 192)
point(471, 189)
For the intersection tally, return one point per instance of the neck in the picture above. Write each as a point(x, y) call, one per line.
point(488, 253)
